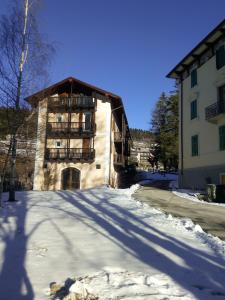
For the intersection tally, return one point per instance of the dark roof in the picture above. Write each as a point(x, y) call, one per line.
point(205, 44)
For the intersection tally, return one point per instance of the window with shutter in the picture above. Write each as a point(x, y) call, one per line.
point(193, 109)
point(194, 145)
point(194, 78)
point(222, 137)
point(220, 57)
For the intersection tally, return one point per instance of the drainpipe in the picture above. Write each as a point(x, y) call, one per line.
point(181, 134)
point(110, 141)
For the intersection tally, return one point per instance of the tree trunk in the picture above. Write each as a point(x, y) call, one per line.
point(17, 104)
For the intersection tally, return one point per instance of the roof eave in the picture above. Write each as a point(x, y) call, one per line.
point(174, 73)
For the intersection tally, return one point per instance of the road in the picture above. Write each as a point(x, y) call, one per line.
point(210, 217)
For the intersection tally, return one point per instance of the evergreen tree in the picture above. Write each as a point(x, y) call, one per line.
point(165, 129)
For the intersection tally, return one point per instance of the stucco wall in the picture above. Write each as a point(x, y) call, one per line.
point(50, 177)
point(206, 93)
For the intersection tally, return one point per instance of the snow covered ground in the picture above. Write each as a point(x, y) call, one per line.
point(121, 248)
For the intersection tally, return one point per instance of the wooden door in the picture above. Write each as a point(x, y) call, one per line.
point(70, 179)
point(222, 179)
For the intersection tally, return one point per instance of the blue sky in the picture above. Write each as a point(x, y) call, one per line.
point(125, 46)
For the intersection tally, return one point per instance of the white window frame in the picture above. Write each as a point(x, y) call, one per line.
point(61, 118)
point(58, 146)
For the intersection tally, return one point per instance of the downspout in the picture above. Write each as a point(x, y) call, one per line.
point(110, 141)
point(181, 134)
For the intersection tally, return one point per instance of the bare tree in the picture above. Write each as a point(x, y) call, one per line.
point(24, 61)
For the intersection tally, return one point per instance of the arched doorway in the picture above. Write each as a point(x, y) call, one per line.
point(70, 179)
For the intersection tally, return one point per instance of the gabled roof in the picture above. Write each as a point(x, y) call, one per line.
point(205, 44)
point(116, 101)
point(53, 88)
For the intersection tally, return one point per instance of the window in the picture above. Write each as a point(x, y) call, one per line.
point(220, 57)
point(222, 137)
point(59, 118)
point(57, 144)
point(194, 145)
point(87, 120)
point(222, 179)
point(222, 93)
point(193, 109)
point(193, 77)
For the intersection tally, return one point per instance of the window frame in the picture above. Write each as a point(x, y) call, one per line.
point(58, 146)
point(222, 137)
point(194, 109)
point(220, 57)
point(194, 77)
point(59, 117)
point(194, 143)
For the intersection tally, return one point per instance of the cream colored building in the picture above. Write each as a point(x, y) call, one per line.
point(82, 139)
point(201, 80)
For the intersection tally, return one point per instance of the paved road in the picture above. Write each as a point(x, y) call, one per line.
point(210, 217)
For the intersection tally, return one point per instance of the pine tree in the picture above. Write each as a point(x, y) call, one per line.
point(165, 129)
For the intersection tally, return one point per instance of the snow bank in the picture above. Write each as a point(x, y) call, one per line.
point(193, 196)
point(114, 285)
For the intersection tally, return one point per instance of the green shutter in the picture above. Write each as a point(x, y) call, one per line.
point(193, 109)
point(194, 77)
point(220, 57)
point(222, 137)
point(194, 145)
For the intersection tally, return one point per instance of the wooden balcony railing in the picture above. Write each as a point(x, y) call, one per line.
point(75, 154)
point(214, 110)
point(71, 103)
point(72, 128)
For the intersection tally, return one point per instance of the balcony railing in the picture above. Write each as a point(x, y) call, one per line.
point(118, 137)
point(72, 128)
point(118, 159)
point(214, 110)
point(75, 154)
point(71, 103)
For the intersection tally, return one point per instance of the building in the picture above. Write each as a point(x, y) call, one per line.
point(82, 137)
point(201, 79)
point(140, 153)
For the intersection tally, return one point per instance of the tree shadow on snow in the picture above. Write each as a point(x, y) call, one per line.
point(14, 279)
point(184, 264)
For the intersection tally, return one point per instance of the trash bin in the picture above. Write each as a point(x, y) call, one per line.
point(211, 192)
point(215, 193)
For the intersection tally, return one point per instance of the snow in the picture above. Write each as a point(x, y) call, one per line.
point(191, 195)
point(117, 247)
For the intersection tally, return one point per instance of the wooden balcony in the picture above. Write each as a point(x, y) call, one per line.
point(118, 159)
point(118, 137)
point(215, 111)
point(64, 104)
point(70, 129)
point(70, 154)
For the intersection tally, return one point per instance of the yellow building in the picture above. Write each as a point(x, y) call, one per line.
point(201, 79)
point(82, 137)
